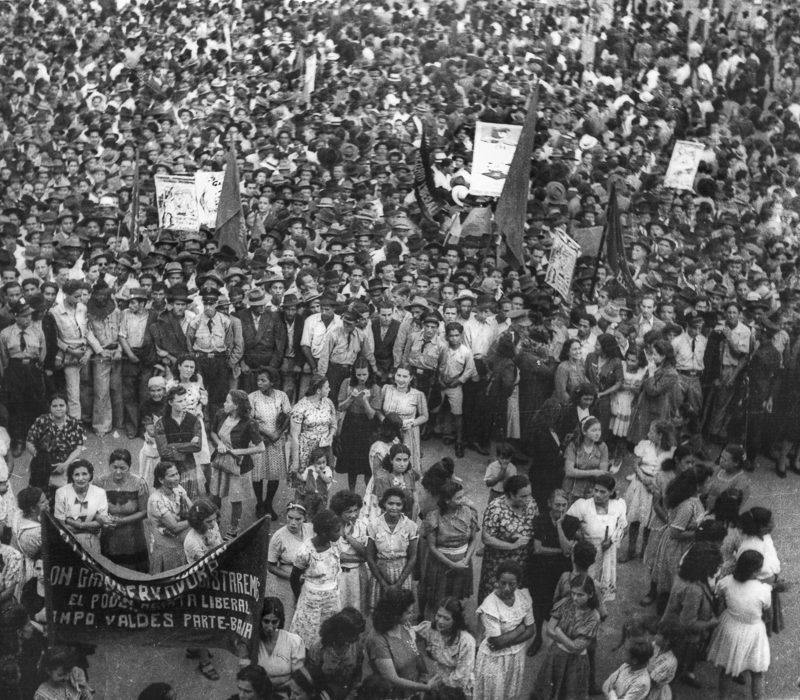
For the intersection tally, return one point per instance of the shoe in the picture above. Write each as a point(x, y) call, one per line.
point(459, 449)
point(273, 515)
point(448, 439)
point(261, 511)
point(691, 681)
point(208, 671)
point(533, 649)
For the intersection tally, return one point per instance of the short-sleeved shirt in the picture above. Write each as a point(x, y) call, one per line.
point(288, 655)
point(321, 569)
point(283, 545)
point(401, 651)
point(740, 339)
point(493, 471)
point(392, 544)
point(83, 508)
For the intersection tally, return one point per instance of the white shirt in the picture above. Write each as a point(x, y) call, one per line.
point(315, 332)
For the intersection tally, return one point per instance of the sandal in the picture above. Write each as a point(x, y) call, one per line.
point(208, 670)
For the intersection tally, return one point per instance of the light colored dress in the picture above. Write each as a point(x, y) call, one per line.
point(639, 496)
point(740, 642)
point(320, 597)
point(166, 549)
point(288, 656)
point(354, 579)
point(271, 464)
point(13, 570)
point(392, 548)
point(499, 674)
point(28, 537)
point(661, 668)
point(408, 405)
point(283, 547)
point(622, 401)
point(454, 664)
point(318, 423)
point(594, 527)
point(627, 683)
point(766, 548)
point(86, 509)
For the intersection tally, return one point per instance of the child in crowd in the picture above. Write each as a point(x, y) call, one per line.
point(498, 471)
point(314, 483)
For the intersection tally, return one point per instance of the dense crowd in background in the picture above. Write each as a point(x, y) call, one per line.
point(623, 422)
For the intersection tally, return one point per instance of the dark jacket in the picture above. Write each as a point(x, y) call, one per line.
point(266, 341)
point(297, 336)
point(166, 334)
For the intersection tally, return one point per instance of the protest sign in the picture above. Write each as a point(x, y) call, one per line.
point(214, 602)
point(562, 263)
point(177, 202)
point(492, 155)
point(310, 77)
point(683, 165)
point(208, 190)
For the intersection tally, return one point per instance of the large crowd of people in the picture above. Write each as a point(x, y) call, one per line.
point(624, 421)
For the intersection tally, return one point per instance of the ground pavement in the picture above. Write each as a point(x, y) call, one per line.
point(120, 673)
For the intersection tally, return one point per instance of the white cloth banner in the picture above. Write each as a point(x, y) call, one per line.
point(562, 263)
point(208, 189)
point(177, 203)
point(683, 165)
point(494, 149)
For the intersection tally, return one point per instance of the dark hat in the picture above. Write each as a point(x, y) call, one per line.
point(257, 297)
point(538, 336)
point(178, 293)
point(21, 308)
point(210, 295)
point(290, 300)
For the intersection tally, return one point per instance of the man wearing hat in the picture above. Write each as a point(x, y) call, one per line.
point(293, 359)
point(168, 330)
point(316, 328)
point(690, 350)
point(424, 352)
point(410, 325)
point(763, 374)
point(342, 346)
point(210, 338)
point(137, 357)
point(456, 368)
point(264, 338)
point(22, 354)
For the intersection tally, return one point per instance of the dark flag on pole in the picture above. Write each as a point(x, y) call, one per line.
point(424, 188)
point(615, 245)
point(230, 228)
point(513, 205)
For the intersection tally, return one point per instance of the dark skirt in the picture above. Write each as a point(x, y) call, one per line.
point(356, 439)
point(24, 394)
point(543, 573)
point(440, 581)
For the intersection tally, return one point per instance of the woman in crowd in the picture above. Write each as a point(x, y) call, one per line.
point(397, 473)
point(585, 458)
point(252, 683)
point(756, 526)
point(352, 549)
point(358, 397)
point(196, 403)
point(604, 371)
point(603, 522)
point(280, 653)
point(506, 615)
point(503, 379)
point(576, 411)
point(573, 627)
point(317, 562)
point(410, 404)
point(271, 410)
point(451, 533)
point(390, 433)
point(740, 642)
point(168, 513)
point(622, 400)
point(691, 605)
point(179, 437)
point(730, 475)
point(65, 680)
point(449, 647)
point(391, 647)
point(685, 511)
point(571, 371)
point(123, 539)
point(283, 547)
point(661, 394)
point(547, 470)
point(391, 546)
point(337, 659)
point(236, 438)
point(507, 530)
point(27, 527)
point(82, 506)
point(313, 423)
point(54, 441)
point(631, 681)
point(549, 559)
point(202, 538)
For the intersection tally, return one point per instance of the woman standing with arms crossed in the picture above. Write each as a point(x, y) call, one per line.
point(168, 512)
point(411, 406)
point(178, 438)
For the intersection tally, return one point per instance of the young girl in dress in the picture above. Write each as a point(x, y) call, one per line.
point(389, 433)
point(622, 401)
point(573, 626)
point(314, 483)
point(650, 455)
point(664, 664)
point(729, 476)
point(397, 473)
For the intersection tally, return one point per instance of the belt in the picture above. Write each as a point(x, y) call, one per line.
point(211, 354)
point(22, 361)
point(423, 371)
point(689, 372)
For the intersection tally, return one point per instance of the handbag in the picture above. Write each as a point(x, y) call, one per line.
point(227, 463)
